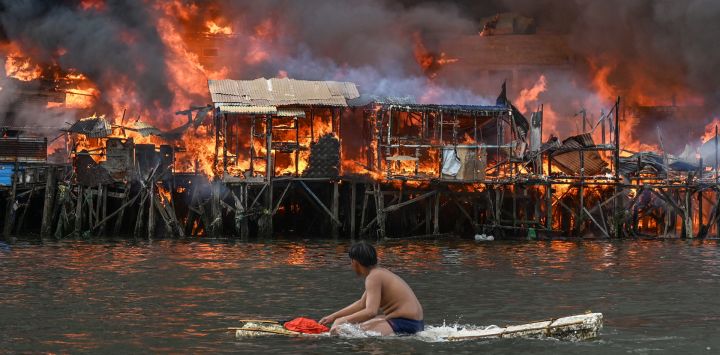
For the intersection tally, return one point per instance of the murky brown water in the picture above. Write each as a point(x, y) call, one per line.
point(124, 297)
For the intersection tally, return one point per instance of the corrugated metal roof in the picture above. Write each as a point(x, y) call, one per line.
point(567, 157)
point(290, 112)
point(248, 110)
point(281, 92)
point(93, 127)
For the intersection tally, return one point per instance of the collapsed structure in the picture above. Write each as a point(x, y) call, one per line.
point(317, 157)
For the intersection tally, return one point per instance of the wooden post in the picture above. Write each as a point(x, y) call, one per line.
point(241, 226)
point(297, 146)
point(78, 210)
point(428, 217)
point(101, 231)
point(252, 145)
point(700, 210)
point(436, 216)
point(380, 207)
point(616, 165)
point(364, 206)
point(225, 142)
point(21, 221)
point(688, 222)
point(139, 221)
point(265, 227)
point(151, 211)
point(335, 209)
point(47, 217)
point(216, 126)
point(10, 205)
point(119, 218)
point(514, 205)
point(581, 192)
point(548, 206)
point(215, 229)
point(353, 206)
point(98, 204)
point(312, 128)
point(63, 194)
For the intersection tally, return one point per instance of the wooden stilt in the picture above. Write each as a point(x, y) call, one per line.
point(353, 206)
point(335, 209)
point(688, 222)
point(192, 212)
point(98, 204)
point(121, 211)
point(366, 195)
point(380, 203)
point(101, 231)
point(21, 221)
point(241, 226)
point(10, 206)
point(215, 229)
point(428, 216)
point(47, 217)
point(117, 211)
point(139, 221)
point(151, 211)
point(436, 216)
point(548, 206)
point(78, 210)
point(63, 196)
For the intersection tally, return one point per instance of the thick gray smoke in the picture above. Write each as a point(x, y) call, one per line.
point(118, 43)
point(659, 47)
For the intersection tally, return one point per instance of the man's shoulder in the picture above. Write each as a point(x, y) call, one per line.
point(380, 273)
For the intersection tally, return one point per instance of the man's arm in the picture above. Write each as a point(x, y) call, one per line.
point(373, 293)
point(352, 308)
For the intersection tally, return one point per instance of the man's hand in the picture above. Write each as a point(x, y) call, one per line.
point(336, 325)
point(327, 320)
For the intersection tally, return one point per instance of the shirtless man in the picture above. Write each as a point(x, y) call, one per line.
point(384, 291)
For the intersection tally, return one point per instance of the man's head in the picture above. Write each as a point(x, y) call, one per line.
point(362, 257)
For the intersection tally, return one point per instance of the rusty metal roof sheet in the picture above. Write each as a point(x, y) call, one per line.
point(290, 112)
point(93, 127)
point(281, 92)
point(248, 110)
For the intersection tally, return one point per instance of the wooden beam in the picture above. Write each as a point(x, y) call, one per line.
point(396, 207)
point(319, 203)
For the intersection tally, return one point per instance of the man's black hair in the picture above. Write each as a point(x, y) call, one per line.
point(363, 253)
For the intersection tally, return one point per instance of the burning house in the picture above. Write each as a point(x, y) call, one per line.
point(266, 127)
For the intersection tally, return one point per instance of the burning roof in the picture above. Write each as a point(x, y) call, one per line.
point(92, 127)
point(263, 96)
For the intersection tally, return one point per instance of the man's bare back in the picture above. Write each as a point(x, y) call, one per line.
point(388, 305)
point(397, 299)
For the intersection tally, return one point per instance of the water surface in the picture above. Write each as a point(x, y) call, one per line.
point(167, 296)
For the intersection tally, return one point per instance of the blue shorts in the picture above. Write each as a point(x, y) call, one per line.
point(403, 326)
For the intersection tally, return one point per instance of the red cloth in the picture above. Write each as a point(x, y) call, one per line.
point(305, 326)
